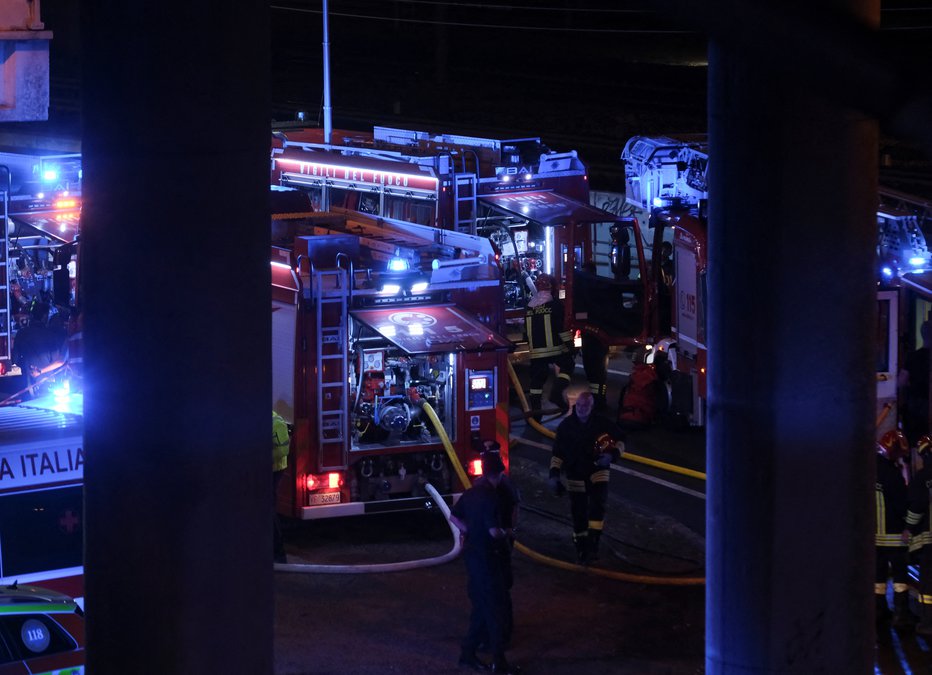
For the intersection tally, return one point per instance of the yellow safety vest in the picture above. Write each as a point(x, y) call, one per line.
point(281, 442)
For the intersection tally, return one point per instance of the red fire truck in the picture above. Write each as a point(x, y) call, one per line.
point(41, 428)
point(666, 182)
point(388, 358)
point(531, 203)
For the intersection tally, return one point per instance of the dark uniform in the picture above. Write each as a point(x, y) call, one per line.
point(587, 473)
point(891, 503)
point(508, 500)
point(919, 521)
point(479, 510)
point(544, 323)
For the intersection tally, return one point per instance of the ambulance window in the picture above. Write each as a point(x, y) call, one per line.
point(37, 634)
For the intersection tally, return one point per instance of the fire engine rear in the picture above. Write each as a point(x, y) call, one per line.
point(387, 357)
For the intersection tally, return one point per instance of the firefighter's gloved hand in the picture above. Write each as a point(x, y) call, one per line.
point(556, 487)
point(604, 460)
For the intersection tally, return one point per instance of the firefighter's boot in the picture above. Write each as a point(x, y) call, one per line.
point(594, 536)
point(902, 617)
point(556, 394)
point(924, 627)
point(581, 541)
point(534, 400)
point(882, 610)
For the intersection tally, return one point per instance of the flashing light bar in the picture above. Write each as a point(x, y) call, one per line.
point(917, 261)
point(65, 203)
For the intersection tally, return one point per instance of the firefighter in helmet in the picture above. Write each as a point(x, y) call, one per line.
point(919, 521)
point(584, 448)
point(891, 535)
point(548, 344)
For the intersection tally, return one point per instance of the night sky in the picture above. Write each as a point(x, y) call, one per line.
point(584, 79)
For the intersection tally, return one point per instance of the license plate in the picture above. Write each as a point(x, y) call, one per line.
point(324, 498)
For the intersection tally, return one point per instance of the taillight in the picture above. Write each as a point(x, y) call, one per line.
point(324, 480)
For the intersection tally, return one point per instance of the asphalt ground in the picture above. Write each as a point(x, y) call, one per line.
point(568, 619)
point(639, 609)
point(627, 613)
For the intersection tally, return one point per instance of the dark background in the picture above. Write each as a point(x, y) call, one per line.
point(583, 79)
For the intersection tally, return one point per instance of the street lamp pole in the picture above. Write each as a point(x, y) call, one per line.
point(327, 122)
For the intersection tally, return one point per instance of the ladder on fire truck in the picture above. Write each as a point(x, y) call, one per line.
point(465, 189)
point(331, 289)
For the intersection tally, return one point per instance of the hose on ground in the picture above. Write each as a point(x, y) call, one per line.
point(311, 568)
point(540, 428)
point(539, 557)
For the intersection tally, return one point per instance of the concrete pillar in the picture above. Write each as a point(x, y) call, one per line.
point(791, 317)
point(175, 273)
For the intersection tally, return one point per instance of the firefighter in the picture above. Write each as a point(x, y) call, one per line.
point(477, 515)
point(39, 346)
point(891, 537)
point(509, 498)
point(281, 444)
point(919, 521)
point(584, 448)
point(645, 397)
point(546, 335)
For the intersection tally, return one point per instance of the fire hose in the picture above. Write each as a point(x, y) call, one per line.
point(312, 568)
point(540, 428)
point(540, 557)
